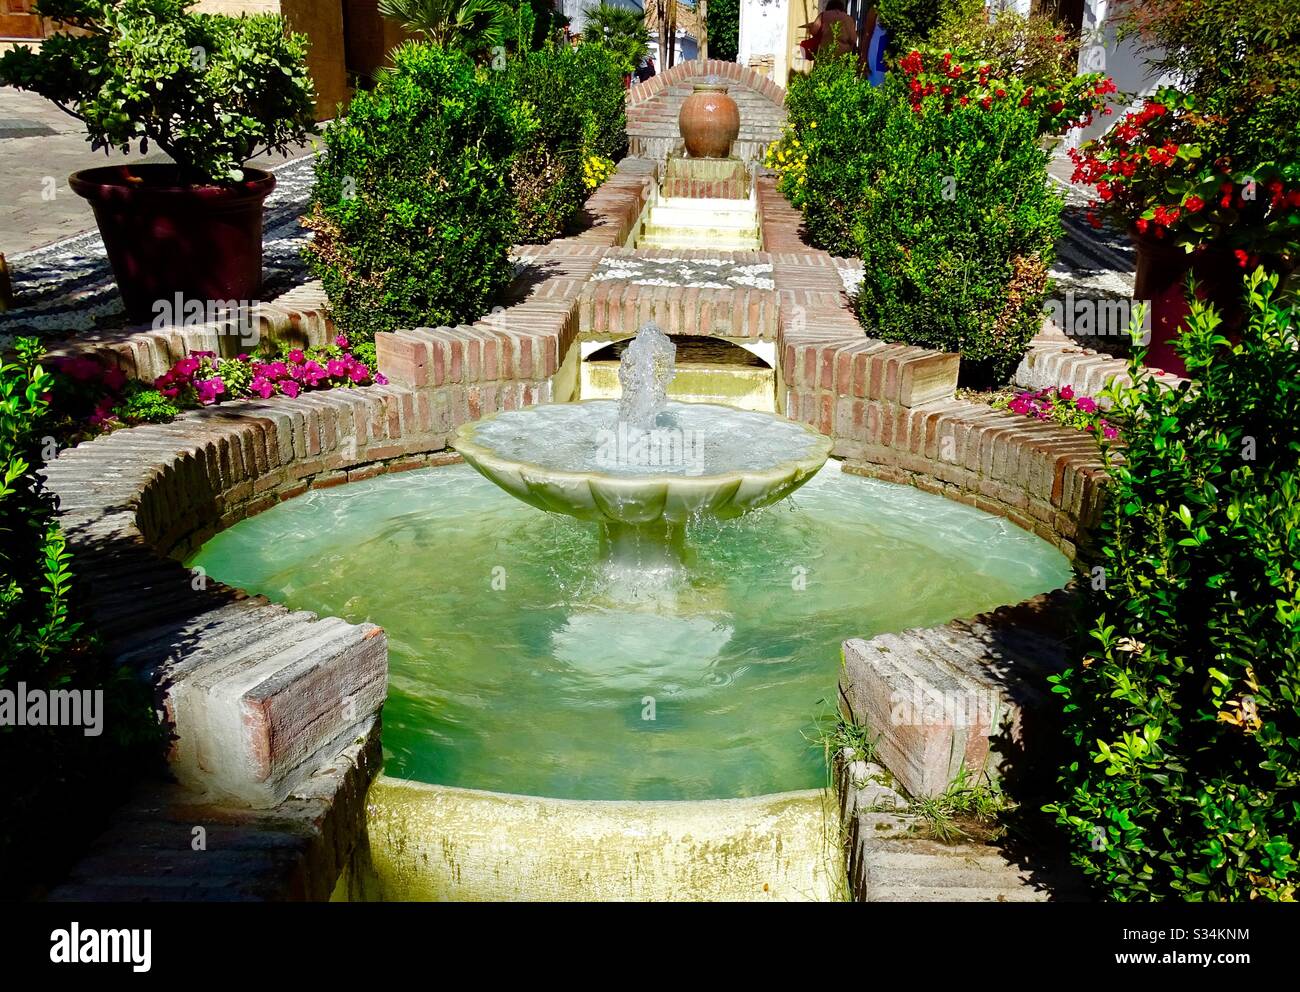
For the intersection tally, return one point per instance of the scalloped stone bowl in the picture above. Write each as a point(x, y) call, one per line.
point(700, 459)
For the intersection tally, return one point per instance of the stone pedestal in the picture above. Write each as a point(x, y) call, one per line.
point(705, 177)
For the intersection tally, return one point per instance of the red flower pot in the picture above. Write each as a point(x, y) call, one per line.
point(1160, 280)
point(709, 122)
point(166, 237)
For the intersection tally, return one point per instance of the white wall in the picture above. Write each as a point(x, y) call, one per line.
point(1101, 51)
point(763, 32)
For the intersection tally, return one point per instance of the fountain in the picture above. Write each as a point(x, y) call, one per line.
point(643, 467)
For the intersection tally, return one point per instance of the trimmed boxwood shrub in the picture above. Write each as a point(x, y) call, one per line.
point(576, 96)
point(957, 226)
point(413, 211)
point(949, 208)
point(1184, 718)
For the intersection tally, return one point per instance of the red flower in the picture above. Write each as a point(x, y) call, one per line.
point(1193, 204)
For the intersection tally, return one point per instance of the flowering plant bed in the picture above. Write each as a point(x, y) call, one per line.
point(91, 398)
point(1061, 405)
point(201, 378)
point(1154, 175)
point(88, 397)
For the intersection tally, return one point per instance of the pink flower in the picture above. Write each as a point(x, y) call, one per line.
point(1066, 392)
point(186, 367)
point(381, 379)
point(1109, 433)
point(359, 374)
point(341, 341)
point(289, 388)
point(114, 379)
point(336, 368)
point(297, 357)
point(1087, 404)
point(312, 374)
point(260, 386)
point(210, 389)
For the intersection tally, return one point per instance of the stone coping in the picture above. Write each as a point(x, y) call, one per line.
point(1054, 360)
point(263, 701)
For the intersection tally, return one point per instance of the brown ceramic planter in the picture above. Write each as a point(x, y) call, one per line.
point(709, 122)
point(165, 237)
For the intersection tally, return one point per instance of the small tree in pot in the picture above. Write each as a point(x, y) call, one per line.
point(209, 90)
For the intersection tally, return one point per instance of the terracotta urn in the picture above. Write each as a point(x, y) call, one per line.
point(709, 122)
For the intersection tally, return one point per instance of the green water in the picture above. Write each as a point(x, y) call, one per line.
point(513, 669)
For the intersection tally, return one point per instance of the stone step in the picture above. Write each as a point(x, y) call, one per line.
point(741, 218)
point(693, 239)
point(967, 695)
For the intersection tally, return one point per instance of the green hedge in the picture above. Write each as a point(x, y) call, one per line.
point(949, 209)
point(576, 95)
point(413, 212)
point(1184, 717)
point(435, 173)
point(723, 24)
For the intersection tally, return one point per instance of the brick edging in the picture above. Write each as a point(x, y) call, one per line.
point(727, 71)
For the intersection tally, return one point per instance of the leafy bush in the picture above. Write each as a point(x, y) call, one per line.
point(912, 22)
point(722, 20)
point(834, 123)
point(1027, 60)
point(1238, 59)
point(413, 212)
point(956, 226)
point(209, 90)
point(575, 94)
point(948, 206)
point(1216, 159)
point(56, 778)
point(1185, 717)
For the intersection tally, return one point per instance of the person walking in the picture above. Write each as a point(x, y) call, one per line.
point(833, 32)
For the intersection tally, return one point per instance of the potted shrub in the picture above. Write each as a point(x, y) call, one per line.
point(208, 90)
point(1206, 176)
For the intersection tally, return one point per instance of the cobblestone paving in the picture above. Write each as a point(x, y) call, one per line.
point(68, 286)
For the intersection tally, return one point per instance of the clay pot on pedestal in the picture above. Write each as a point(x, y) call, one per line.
point(1160, 279)
point(709, 122)
point(165, 236)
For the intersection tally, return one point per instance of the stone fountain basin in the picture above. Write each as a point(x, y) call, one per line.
point(641, 494)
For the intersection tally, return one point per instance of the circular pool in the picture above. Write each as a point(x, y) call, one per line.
point(515, 667)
